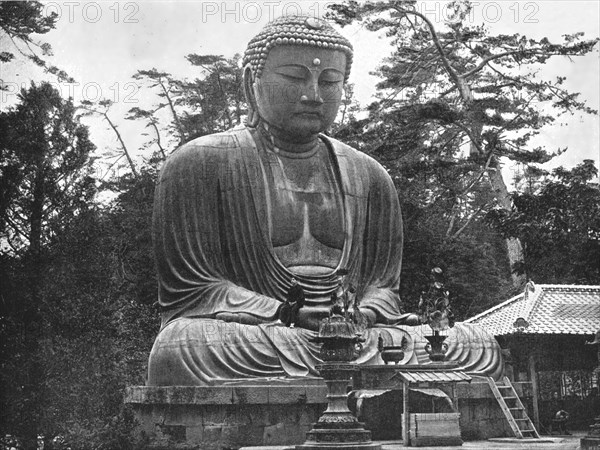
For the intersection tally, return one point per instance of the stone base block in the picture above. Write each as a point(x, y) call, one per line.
point(182, 417)
point(338, 446)
point(590, 443)
point(253, 415)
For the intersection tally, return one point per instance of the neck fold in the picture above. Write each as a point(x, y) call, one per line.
point(280, 145)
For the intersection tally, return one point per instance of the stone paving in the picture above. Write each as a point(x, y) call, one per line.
point(546, 443)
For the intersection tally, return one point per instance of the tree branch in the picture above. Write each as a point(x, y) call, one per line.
point(469, 220)
point(15, 228)
point(111, 166)
point(487, 60)
point(449, 69)
point(524, 53)
point(471, 137)
point(483, 171)
point(113, 126)
point(172, 107)
point(160, 147)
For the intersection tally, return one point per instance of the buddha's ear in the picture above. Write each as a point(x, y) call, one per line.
point(253, 117)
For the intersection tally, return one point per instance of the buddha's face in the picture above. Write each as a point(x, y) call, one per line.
point(300, 90)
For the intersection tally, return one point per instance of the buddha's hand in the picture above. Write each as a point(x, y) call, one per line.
point(311, 317)
point(247, 319)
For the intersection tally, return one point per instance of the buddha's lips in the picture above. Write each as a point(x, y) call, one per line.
point(314, 114)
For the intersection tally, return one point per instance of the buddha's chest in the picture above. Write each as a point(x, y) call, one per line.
point(305, 200)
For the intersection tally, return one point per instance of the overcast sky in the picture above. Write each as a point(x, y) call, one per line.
point(102, 44)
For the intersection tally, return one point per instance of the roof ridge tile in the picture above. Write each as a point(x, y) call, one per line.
point(550, 309)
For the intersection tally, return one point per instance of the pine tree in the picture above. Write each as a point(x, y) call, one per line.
point(458, 99)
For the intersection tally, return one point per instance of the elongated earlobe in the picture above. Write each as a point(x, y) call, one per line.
point(253, 117)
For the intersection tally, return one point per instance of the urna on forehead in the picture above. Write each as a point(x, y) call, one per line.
point(295, 30)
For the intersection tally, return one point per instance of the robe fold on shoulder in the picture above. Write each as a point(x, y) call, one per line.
point(214, 255)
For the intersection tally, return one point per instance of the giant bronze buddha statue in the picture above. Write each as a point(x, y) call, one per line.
point(238, 214)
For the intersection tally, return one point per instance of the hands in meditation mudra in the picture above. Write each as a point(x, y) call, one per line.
point(239, 214)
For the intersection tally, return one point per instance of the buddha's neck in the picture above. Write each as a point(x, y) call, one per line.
point(279, 143)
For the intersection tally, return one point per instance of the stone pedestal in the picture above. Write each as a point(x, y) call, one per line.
point(207, 418)
point(338, 428)
point(590, 443)
point(210, 418)
point(592, 440)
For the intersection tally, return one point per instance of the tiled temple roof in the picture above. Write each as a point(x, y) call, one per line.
point(547, 309)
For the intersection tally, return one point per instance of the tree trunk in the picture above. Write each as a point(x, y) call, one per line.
point(499, 189)
point(513, 245)
point(37, 208)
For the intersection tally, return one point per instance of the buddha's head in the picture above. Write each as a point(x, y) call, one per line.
point(294, 74)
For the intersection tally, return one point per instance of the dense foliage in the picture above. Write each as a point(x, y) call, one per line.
point(557, 217)
point(78, 286)
point(45, 179)
point(64, 369)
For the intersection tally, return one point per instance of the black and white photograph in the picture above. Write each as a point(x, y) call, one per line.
point(299, 225)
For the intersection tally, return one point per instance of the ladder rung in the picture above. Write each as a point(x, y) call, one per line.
point(524, 418)
point(527, 431)
point(503, 387)
point(516, 409)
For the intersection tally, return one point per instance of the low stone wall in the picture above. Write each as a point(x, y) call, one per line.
point(223, 417)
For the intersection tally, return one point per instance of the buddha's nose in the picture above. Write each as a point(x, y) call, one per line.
point(312, 94)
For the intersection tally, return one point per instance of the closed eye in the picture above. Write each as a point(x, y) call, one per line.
point(291, 77)
point(292, 72)
point(331, 77)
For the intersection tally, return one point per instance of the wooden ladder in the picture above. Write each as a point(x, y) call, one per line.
point(513, 409)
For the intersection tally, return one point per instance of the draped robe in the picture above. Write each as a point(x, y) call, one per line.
point(214, 255)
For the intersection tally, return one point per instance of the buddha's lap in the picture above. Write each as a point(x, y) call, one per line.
point(196, 351)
